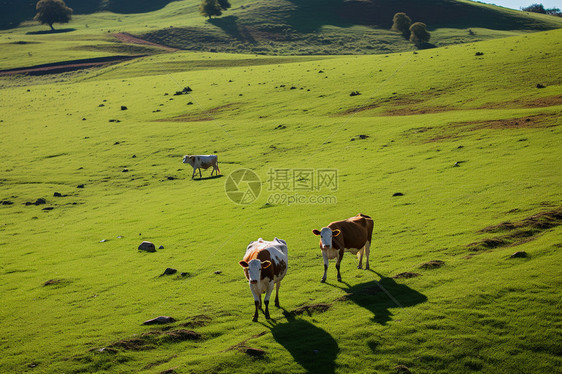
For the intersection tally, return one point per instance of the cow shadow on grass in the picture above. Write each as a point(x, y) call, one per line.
point(381, 296)
point(207, 178)
point(311, 347)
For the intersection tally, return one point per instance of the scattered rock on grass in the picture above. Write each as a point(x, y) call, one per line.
point(519, 254)
point(147, 246)
point(161, 320)
point(39, 201)
point(255, 352)
point(169, 271)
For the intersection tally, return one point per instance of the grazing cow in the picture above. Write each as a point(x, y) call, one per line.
point(202, 161)
point(265, 265)
point(351, 235)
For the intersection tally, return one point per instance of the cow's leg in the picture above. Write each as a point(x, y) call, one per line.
point(277, 294)
point(257, 303)
point(193, 175)
point(340, 256)
point(326, 263)
point(266, 299)
point(200, 175)
point(367, 252)
point(360, 255)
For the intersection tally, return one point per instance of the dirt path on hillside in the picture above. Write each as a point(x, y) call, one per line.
point(128, 38)
point(65, 66)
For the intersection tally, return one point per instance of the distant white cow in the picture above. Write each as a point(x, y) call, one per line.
point(202, 161)
point(265, 265)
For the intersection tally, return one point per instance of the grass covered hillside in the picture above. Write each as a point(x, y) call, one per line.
point(453, 151)
point(345, 27)
point(284, 27)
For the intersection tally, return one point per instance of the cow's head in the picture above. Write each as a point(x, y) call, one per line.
point(188, 159)
point(254, 268)
point(326, 235)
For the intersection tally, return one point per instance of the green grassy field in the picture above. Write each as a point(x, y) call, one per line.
point(469, 140)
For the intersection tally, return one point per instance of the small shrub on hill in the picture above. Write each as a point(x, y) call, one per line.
point(419, 34)
point(401, 23)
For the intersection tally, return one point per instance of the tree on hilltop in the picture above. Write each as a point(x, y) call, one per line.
point(539, 8)
point(209, 8)
point(535, 8)
point(401, 23)
point(52, 11)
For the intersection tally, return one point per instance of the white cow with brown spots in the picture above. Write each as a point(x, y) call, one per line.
point(202, 162)
point(265, 265)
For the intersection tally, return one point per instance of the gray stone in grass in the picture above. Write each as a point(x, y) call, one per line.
point(147, 246)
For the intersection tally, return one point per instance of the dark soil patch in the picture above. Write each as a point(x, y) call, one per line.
point(180, 335)
point(54, 282)
point(434, 264)
point(518, 232)
point(538, 121)
point(542, 102)
point(408, 111)
point(459, 129)
point(66, 66)
point(310, 309)
point(540, 221)
point(197, 321)
point(134, 344)
point(406, 275)
point(152, 339)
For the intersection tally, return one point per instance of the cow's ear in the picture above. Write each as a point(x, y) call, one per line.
point(316, 232)
point(244, 264)
point(336, 232)
point(265, 264)
point(192, 158)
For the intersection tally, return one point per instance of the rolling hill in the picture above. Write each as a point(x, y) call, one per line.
point(297, 27)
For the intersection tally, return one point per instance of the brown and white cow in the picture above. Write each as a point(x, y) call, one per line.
point(202, 162)
point(265, 265)
point(351, 235)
